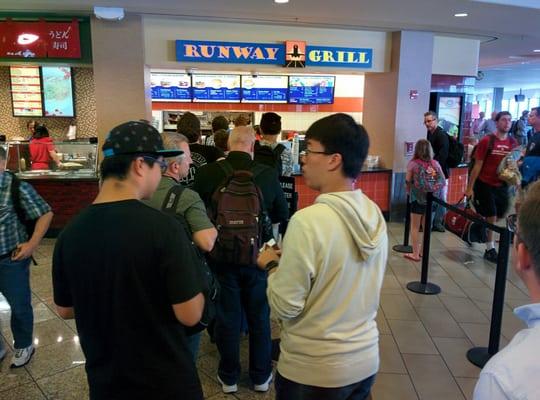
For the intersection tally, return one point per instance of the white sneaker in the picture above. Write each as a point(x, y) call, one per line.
point(263, 387)
point(227, 388)
point(22, 356)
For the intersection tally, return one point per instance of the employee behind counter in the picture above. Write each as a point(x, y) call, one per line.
point(42, 150)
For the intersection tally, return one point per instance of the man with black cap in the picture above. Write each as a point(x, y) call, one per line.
point(127, 274)
point(268, 151)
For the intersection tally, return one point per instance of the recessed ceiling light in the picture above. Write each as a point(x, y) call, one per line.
point(281, 1)
point(461, 15)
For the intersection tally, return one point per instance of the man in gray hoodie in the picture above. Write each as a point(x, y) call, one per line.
point(325, 286)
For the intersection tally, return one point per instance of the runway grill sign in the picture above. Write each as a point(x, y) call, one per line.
point(292, 54)
point(39, 39)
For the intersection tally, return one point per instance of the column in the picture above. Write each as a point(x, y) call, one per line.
point(498, 94)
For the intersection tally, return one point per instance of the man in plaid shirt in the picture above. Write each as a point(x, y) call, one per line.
point(16, 248)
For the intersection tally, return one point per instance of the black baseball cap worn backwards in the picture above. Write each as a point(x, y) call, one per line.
point(135, 137)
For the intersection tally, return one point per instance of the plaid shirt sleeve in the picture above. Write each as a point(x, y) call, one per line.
point(32, 203)
point(286, 162)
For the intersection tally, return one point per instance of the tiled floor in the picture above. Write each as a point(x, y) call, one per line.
point(423, 338)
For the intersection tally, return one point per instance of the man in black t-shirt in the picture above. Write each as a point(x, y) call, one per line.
point(128, 275)
point(190, 126)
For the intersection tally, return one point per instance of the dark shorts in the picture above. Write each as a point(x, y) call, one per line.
point(491, 201)
point(417, 208)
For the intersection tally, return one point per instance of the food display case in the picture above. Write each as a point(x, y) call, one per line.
point(78, 160)
point(67, 189)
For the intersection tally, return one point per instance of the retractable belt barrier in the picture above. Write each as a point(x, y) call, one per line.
point(479, 356)
point(405, 247)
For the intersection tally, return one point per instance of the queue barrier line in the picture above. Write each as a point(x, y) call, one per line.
point(478, 356)
point(405, 247)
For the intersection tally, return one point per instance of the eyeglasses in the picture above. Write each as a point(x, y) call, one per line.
point(307, 152)
point(429, 121)
point(163, 165)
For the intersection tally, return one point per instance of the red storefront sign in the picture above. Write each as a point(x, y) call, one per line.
point(40, 39)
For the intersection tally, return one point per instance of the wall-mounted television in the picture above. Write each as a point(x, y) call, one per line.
point(450, 107)
point(316, 89)
point(26, 91)
point(57, 92)
point(216, 88)
point(264, 89)
point(171, 87)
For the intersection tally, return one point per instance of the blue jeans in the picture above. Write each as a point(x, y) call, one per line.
point(243, 288)
point(438, 210)
point(286, 389)
point(15, 286)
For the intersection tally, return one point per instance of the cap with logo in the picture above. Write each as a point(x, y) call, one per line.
point(135, 137)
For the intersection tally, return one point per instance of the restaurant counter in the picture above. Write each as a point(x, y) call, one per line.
point(66, 194)
point(376, 183)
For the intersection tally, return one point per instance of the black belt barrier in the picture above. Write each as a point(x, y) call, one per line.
point(405, 247)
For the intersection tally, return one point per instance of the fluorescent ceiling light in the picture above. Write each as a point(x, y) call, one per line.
point(536, 50)
point(281, 1)
point(461, 15)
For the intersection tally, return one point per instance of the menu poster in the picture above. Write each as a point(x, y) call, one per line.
point(26, 92)
point(170, 87)
point(264, 89)
point(216, 88)
point(57, 92)
point(311, 89)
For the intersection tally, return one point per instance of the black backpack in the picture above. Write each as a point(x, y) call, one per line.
point(488, 152)
point(272, 157)
point(211, 285)
point(455, 152)
point(237, 211)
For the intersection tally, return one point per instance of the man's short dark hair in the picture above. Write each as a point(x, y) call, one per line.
point(118, 166)
point(432, 114)
point(270, 123)
point(339, 133)
point(189, 126)
point(502, 114)
point(3, 154)
point(221, 137)
point(529, 224)
point(40, 131)
point(220, 122)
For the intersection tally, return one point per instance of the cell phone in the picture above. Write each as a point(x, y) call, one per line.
point(271, 243)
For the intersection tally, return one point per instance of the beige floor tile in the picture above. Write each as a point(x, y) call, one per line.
point(448, 287)
point(479, 293)
point(55, 358)
point(467, 386)
point(391, 361)
point(382, 324)
point(47, 332)
point(464, 310)
point(411, 337)
point(431, 377)
point(11, 377)
point(222, 396)
point(454, 353)
point(209, 363)
point(390, 282)
point(463, 276)
point(511, 325)
point(393, 387)
point(397, 307)
point(478, 334)
point(209, 384)
point(513, 292)
point(68, 385)
point(440, 323)
point(422, 300)
point(26, 392)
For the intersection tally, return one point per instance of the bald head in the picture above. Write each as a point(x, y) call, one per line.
point(242, 138)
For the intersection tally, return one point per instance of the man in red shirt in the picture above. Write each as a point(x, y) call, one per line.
point(491, 195)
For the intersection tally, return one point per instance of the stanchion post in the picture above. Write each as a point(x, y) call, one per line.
point(405, 247)
point(479, 356)
point(424, 287)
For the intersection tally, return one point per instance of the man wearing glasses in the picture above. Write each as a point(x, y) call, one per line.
point(534, 122)
point(127, 274)
point(440, 143)
point(325, 287)
point(513, 372)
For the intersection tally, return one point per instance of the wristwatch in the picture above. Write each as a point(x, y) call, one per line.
point(271, 265)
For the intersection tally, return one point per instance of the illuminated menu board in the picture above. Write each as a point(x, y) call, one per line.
point(216, 88)
point(26, 92)
point(170, 87)
point(264, 89)
point(57, 92)
point(311, 89)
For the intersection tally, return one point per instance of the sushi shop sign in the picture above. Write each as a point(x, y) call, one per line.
point(291, 54)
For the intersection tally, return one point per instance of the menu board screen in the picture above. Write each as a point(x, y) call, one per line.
point(264, 89)
point(170, 87)
point(311, 89)
point(26, 92)
point(216, 88)
point(57, 92)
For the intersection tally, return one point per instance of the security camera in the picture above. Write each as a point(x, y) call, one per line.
point(189, 71)
point(254, 74)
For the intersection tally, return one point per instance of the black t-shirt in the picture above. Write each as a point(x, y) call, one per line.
point(122, 265)
point(201, 155)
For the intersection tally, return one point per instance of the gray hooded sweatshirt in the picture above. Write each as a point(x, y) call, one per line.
point(326, 290)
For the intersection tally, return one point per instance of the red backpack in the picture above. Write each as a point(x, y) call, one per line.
point(237, 211)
